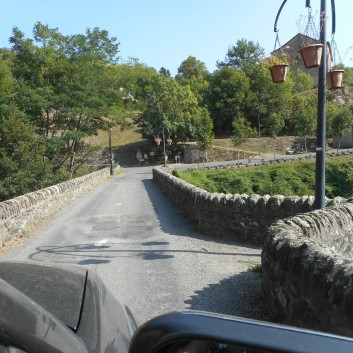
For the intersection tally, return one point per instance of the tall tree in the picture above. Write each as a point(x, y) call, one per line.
point(302, 81)
point(304, 115)
point(194, 73)
point(65, 88)
point(342, 123)
point(241, 131)
point(204, 131)
point(275, 124)
point(228, 95)
point(263, 96)
point(245, 56)
point(169, 104)
point(164, 72)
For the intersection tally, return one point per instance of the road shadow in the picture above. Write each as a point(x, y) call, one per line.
point(238, 295)
point(173, 221)
point(98, 254)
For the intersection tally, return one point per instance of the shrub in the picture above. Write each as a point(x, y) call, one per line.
point(288, 179)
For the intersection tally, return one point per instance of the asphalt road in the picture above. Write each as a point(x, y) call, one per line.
point(147, 252)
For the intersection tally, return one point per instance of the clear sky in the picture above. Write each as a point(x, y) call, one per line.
point(165, 32)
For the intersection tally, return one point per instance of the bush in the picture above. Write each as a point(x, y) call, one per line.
point(288, 179)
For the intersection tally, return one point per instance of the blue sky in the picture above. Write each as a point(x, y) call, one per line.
point(165, 32)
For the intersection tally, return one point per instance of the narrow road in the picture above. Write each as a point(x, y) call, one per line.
point(147, 252)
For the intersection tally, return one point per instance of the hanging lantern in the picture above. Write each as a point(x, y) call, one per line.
point(157, 140)
point(311, 55)
point(334, 79)
point(169, 141)
point(279, 72)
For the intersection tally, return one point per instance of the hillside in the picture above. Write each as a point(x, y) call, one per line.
point(126, 143)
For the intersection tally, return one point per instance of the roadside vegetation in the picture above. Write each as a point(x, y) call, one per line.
point(288, 179)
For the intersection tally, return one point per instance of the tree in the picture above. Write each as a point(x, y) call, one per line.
point(169, 104)
point(348, 77)
point(228, 94)
point(304, 115)
point(268, 97)
point(204, 131)
point(65, 87)
point(332, 109)
point(241, 131)
point(245, 56)
point(275, 124)
point(193, 72)
point(342, 123)
point(302, 81)
point(23, 168)
point(164, 72)
point(21, 150)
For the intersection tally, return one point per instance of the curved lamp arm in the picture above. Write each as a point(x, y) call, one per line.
point(275, 29)
point(333, 9)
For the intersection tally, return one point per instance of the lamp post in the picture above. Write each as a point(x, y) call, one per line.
point(169, 142)
point(110, 150)
point(321, 104)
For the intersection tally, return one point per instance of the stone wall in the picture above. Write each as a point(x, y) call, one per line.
point(20, 214)
point(239, 216)
point(308, 269)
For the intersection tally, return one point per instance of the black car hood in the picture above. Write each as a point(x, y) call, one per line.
point(59, 290)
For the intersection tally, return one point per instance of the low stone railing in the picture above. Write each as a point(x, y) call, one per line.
point(307, 266)
point(242, 217)
point(20, 214)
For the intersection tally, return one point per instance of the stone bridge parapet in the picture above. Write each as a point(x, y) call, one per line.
point(20, 214)
point(307, 264)
point(242, 217)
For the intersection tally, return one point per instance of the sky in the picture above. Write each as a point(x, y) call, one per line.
point(163, 33)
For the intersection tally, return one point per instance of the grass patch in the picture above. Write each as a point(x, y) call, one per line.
point(288, 179)
point(130, 135)
point(254, 266)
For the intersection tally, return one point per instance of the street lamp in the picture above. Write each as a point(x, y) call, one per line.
point(110, 150)
point(321, 112)
point(157, 139)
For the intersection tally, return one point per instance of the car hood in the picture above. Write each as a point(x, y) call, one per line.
point(59, 290)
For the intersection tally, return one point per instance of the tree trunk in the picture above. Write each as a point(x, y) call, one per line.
point(274, 148)
point(339, 144)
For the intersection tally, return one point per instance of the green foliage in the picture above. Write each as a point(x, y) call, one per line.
point(241, 130)
point(342, 122)
point(193, 72)
point(245, 56)
point(65, 87)
point(254, 266)
point(275, 124)
point(304, 115)
point(339, 177)
point(289, 179)
point(228, 97)
point(302, 81)
point(169, 104)
point(23, 168)
point(176, 173)
point(204, 131)
point(348, 77)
